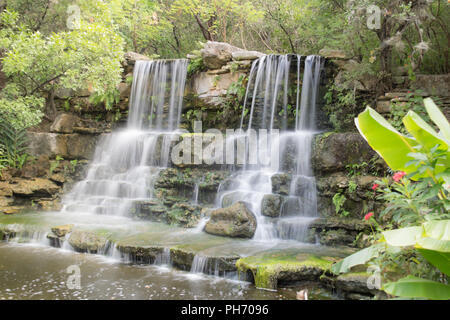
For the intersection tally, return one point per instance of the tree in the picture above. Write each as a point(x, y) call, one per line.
point(37, 66)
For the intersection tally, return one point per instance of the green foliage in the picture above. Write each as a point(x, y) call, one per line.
point(195, 65)
point(413, 287)
point(13, 146)
point(108, 99)
point(421, 206)
point(338, 202)
point(400, 151)
point(411, 203)
point(431, 242)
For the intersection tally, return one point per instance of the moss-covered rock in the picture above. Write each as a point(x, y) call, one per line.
point(234, 221)
point(268, 269)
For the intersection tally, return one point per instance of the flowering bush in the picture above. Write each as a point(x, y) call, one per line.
point(417, 198)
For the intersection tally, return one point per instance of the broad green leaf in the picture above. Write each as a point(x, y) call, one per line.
point(437, 229)
point(434, 244)
point(413, 287)
point(403, 237)
point(390, 144)
point(438, 118)
point(440, 260)
point(360, 257)
point(423, 132)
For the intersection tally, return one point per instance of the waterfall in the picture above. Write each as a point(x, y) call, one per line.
point(127, 161)
point(266, 106)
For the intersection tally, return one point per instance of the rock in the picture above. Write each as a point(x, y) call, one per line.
point(84, 130)
point(5, 189)
point(50, 205)
point(354, 282)
point(383, 106)
point(333, 54)
point(234, 221)
point(281, 183)
point(365, 82)
point(61, 231)
point(184, 214)
point(36, 168)
point(271, 205)
point(435, 84)
point(68, 146)
point(59, 178)
point(124, 90)
point(217, 54)
point(218, 71)
point(210, 89)
point(64, 123)
point(12, 210)
point(37, 187)
point(85, 241)
point(246, 55)
point(5, 201)
point(132, 57)
point(333, 152)
point(140, 254)
point(270, 269)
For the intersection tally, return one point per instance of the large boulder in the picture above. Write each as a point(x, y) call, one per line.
point(217, 54)
point(236, 221)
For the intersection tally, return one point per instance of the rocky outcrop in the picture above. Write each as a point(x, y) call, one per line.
point(333, 152)
point(37, 187)
point(217, 54)
point(235, 221)
point(67, 146)
point(207, 90)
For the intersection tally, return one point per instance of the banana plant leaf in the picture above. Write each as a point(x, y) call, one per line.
point(390, 144)
point(413, 287)
point(358, 258)
point(438, 118)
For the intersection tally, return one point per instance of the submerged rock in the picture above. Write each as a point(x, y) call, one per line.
point(235, 221)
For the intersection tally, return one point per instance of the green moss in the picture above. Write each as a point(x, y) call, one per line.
point(268, 268)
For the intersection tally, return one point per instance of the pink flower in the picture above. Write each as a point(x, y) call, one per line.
point(368, 216)
point(375, 186)
point(398, 176)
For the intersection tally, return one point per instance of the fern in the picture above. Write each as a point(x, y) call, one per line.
point(13, 146)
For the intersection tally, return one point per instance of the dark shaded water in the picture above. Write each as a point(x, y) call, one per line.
point(39, 272)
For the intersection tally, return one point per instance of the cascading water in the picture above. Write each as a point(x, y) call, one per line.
point(268, 91)
point(127, 161)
